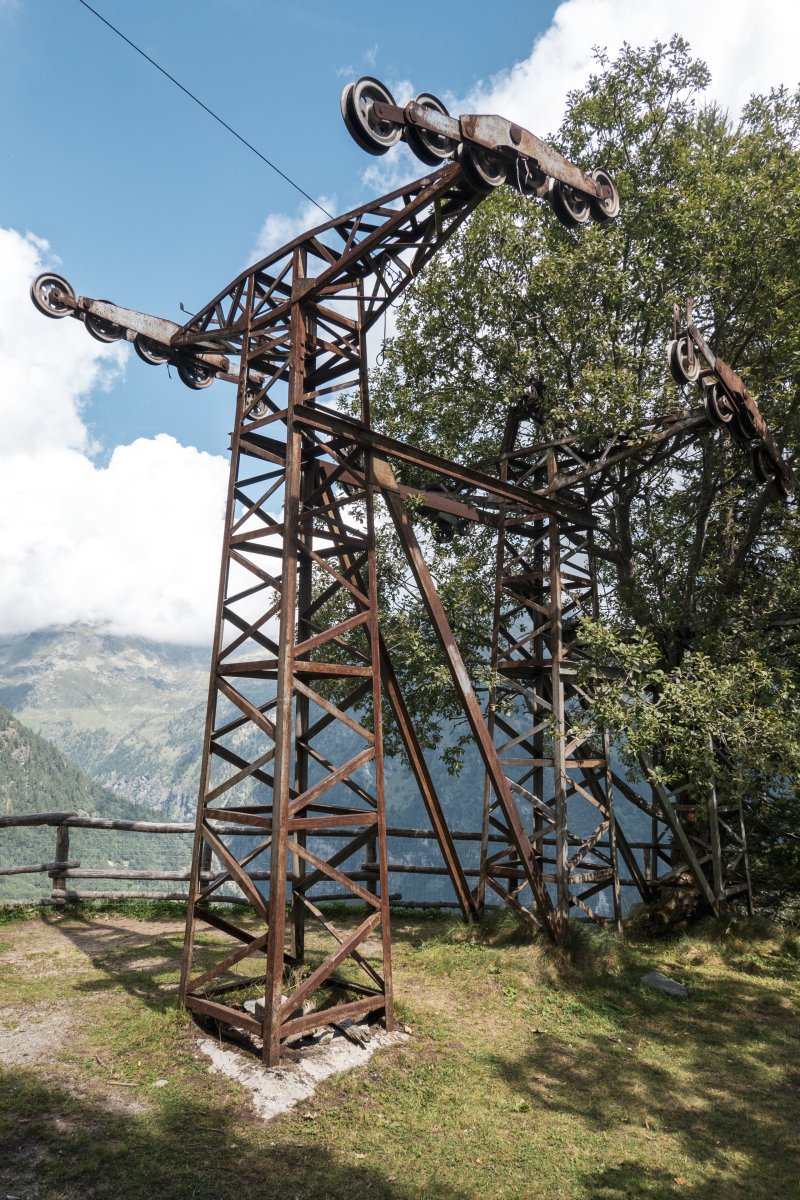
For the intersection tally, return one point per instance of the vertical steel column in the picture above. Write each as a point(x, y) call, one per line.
point(285, 678)
point(608, 773)
point(549, 580)
point(377, 697)
point(305, 535)
point(536, 704)
point(616, 895)
point(559, 720)
point(479, 894)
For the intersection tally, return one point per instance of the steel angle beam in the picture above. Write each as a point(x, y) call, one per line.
point(357, 433)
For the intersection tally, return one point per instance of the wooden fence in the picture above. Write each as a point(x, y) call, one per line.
point(63, 870)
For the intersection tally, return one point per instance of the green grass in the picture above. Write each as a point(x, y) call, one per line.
point(531, 1071)
point(146, 910)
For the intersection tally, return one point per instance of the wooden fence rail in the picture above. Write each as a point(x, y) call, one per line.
point(63, 869)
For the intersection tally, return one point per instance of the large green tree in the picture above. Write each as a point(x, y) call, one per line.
point(702, 611)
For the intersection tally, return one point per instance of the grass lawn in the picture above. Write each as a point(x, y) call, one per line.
point(531, 1072)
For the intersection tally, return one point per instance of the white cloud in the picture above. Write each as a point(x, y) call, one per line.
point(134, 545)
point(47, 366)
point(280, 228)
point(749, 45)
point(392, 171)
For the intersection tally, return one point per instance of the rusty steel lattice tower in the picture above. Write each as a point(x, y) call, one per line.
point(298, 323)
point(545, 582)
point(292, 790)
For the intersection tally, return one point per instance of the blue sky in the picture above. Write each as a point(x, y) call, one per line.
point(111, 176)
point(149, 202)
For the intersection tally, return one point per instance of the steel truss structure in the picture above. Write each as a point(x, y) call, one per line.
point(292, 791)
point(557, 764)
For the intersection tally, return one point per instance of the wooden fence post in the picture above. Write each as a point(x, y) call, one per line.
point(59, 877)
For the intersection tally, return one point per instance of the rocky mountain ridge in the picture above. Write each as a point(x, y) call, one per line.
point(129, 711)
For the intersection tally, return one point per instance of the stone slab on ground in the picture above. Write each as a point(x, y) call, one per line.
point(662, 983)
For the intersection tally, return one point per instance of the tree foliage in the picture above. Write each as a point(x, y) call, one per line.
point(702, 610)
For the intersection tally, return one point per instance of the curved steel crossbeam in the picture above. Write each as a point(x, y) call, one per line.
point(355, 266)
point(366, 257)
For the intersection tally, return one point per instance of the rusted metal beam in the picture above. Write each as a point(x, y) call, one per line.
point(384, 478)
point(357, 433)
point(494, 133)
point(408, 736)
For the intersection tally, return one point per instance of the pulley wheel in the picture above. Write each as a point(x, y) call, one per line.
point(150, 351)
point(762, 465)
point(717, 405)
point(608, 209)
point(42, 295)
point(358, 101)
point(353, 126)
point(103, 330)
point(431, 148)
point(259, 409)
point(681, 368)
point(195, 373)
point(571, 208)
point(484, 170)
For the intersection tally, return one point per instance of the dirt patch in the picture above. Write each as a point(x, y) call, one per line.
point(19, 1169)
point(33, 1035)
point(110, 1097)
point(98, 936)
point(371, 948)
point(111, 934)
point(151, 965)
point(36, 1037)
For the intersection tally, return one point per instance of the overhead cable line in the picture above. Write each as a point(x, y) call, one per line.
point(205, 107)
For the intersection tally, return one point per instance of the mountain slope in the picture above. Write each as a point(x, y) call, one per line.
point(37, 777)
point(129, 711)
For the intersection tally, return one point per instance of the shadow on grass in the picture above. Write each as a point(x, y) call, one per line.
point(125, 957)
point(632, 1181)
point(147, 965)
point(691, 1099)
point(54, 1146)
point(712, 1081)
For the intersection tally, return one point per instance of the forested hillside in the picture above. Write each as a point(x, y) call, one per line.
point(37, 777)
point(127, 710)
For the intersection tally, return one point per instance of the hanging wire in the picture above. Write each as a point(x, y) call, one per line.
point(205, 108)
